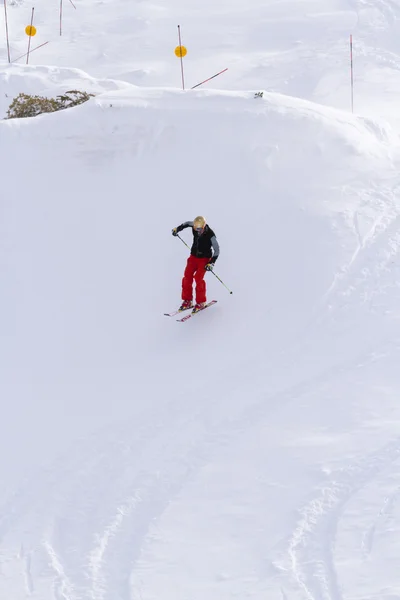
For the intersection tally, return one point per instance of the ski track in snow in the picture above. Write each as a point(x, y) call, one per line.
point(384, 514)
point(311, 547)
point(388, 11)
point(375, 252)
point(28, 576)
point(62, 586)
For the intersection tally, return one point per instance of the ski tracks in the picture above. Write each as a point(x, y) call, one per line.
point(93, 510)
point(384, 515)
point(98, 510)
point(312, 543)
point(371, 269)
point(88, 516)
point(62, 586)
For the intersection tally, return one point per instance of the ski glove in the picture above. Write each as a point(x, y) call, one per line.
point(175, 231)
point(209, 267)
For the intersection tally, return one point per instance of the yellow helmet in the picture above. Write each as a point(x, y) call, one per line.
point(199, 223)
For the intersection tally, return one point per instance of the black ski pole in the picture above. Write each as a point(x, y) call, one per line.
point(177, 235)
point(219, 279)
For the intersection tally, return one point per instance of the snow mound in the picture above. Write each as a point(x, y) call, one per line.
point(48, 81)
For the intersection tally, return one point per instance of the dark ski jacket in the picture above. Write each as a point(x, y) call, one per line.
point(205, 244)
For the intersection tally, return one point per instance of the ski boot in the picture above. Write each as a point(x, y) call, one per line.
point(186, 304)
point(198, 306)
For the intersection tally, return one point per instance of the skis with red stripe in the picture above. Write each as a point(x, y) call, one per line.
point(192, 314)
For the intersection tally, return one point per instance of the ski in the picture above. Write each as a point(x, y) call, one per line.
point(177, 312)
point(192, 314)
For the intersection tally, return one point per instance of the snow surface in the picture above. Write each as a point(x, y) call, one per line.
point(254, 451)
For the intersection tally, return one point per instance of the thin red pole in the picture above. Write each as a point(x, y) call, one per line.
point(8, 41)
point(33, 50)
point(30, 36)
point(209, 79)
point(61, 13)
point(351, 73)
point(180, 46)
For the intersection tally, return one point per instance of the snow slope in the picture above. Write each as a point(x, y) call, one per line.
point(253, 451)
point(205, 405)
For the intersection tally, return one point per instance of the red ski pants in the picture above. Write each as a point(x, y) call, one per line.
point(195, 268)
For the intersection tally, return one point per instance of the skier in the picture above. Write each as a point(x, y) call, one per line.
point(203, 254)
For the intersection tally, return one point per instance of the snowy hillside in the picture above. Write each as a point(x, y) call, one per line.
point(295, 47)
point(254, 450)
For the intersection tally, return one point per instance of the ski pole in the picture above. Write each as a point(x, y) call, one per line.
point(221, 281)
point(177, 235)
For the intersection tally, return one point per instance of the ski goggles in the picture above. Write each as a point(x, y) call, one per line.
point(199, 229)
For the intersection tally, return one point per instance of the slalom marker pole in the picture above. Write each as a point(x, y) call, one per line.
point(180, 46)
point(7, 37)
point(209, 79)
point(30, 36)
point(33, 50)
point(61, 13)
point(351, 74)
point(219, 279)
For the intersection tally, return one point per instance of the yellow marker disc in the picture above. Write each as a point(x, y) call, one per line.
point(180, 51)
point(30, 30)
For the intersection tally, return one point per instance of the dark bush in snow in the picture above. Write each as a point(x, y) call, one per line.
point(25, 105)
